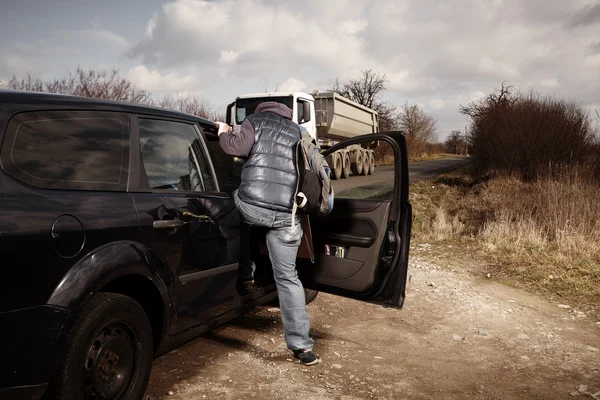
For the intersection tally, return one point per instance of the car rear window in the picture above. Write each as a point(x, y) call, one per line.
point(85, 150)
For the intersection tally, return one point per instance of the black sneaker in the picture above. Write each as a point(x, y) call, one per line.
point(307, 357)
point(247, 287)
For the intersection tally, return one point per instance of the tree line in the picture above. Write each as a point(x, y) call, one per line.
point(367, 89)
point(110, 85)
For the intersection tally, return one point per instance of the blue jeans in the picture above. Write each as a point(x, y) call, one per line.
point(283, 243)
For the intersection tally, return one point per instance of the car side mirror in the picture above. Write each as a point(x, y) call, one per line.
point(228, 113)
point(300, 112)
point(306, 111)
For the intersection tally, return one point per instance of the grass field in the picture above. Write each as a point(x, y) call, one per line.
point(544, 235)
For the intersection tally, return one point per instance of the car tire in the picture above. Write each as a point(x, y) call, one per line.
point(108, 353)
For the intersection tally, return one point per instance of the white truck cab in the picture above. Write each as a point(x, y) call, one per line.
point(302, 106)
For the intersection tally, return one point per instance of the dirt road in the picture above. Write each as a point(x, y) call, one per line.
point(458, 337)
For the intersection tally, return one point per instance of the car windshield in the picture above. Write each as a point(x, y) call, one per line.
point(246, 107)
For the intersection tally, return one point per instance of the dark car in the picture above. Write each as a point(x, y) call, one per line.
point(119, 240)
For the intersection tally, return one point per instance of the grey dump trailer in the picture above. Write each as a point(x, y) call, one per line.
point(338, 118)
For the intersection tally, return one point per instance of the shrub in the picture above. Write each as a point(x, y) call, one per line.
point(531, 136)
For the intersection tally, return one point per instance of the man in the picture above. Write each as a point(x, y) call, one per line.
point(266, 198)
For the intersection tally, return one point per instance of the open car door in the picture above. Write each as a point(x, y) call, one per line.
point(361, 248)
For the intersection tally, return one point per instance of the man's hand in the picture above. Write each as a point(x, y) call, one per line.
point(223, 127)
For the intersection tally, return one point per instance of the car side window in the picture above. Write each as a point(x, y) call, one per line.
point(174, 157)
point(78, 150)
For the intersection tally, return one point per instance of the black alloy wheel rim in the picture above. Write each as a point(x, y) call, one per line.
point(111, 362)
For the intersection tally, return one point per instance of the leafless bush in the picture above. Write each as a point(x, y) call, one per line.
point(530, 136)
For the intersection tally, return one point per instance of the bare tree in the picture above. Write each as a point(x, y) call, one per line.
point(366, 91)
point(89, 83)
point(417, 126)
point(419, 129)
point(387, 116)
point(456, 143)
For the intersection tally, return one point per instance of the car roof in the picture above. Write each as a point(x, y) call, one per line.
point(87, 103)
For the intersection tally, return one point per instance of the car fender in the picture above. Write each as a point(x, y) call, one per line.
point(105, 264)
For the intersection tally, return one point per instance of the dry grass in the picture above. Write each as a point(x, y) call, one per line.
point(543, 234)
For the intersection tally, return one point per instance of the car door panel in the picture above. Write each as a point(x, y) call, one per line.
point(363, 225)
point(362, 245)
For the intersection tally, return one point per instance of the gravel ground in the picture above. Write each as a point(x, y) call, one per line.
point(459, 336)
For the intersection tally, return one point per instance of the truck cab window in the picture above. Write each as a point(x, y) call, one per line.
point(246, 107)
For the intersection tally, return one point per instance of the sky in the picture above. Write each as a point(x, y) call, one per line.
point(437, 54)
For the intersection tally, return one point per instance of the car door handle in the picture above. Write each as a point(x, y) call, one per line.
point(168, 224)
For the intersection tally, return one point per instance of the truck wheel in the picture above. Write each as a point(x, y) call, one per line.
point(366, 164)
point(108, 353)
point(347, 165)
point(338, 166)
point(357, 165)
point(371, 163)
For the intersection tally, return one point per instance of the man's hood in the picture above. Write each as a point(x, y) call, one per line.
point(274, 107)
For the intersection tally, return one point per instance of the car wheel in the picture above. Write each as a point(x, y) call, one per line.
point(108, 353)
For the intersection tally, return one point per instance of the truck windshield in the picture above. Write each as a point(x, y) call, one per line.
point(245, 107)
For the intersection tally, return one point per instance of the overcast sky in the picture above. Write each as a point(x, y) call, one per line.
point(438, 54)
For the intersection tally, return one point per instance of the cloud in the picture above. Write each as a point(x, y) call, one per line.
point(14, 65)
point(275, 35)
point(228, 57)
point(549, 83)
point(153, 80)
point(594, 48)
point(293, 85)
point(431, 54)
point(588, 15)
point(437, 104)
point(151, 25)
point(104, 36)
point(474, 96)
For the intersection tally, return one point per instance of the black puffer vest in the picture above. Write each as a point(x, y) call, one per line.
point(269, 176)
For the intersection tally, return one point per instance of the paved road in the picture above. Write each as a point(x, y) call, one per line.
point(418, 171)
